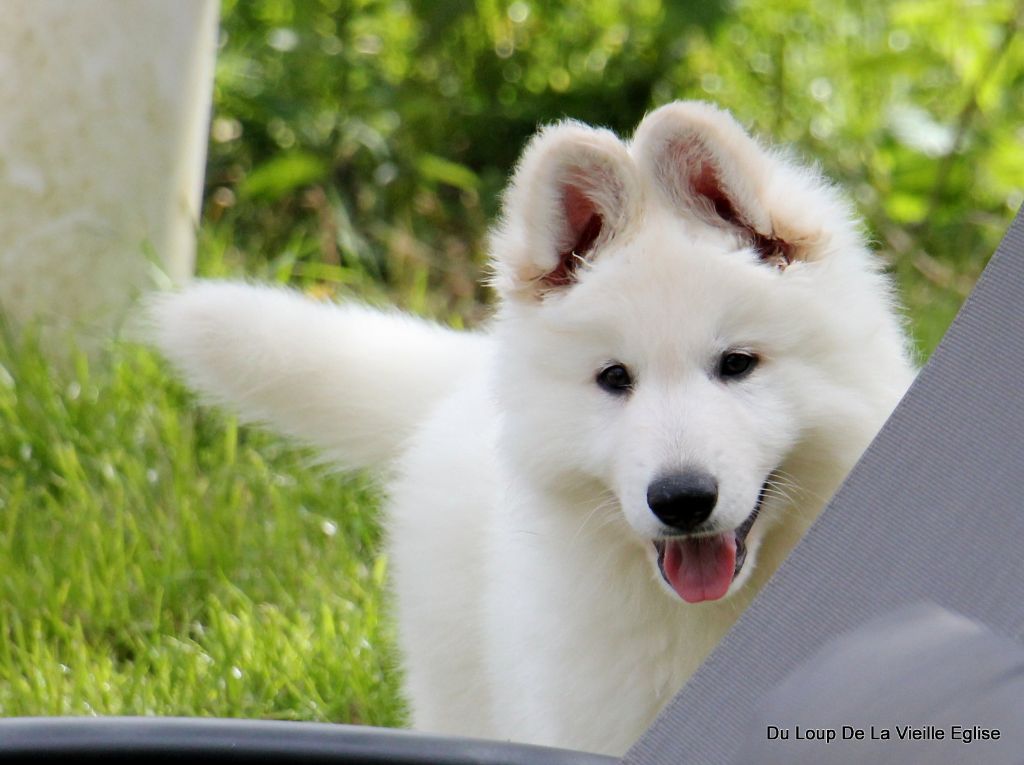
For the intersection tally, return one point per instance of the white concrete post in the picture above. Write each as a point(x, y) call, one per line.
point(104, 114)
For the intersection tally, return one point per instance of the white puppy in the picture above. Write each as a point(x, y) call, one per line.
point(692, 348)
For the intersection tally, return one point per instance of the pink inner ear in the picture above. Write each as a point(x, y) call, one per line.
point(583, 226)
point(704, 182)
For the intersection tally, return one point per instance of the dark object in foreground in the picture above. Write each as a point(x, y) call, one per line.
point(166, 739)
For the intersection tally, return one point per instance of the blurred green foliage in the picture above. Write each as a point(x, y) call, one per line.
point(362, 144)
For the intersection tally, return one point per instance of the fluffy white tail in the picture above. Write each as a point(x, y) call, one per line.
point(345, 378)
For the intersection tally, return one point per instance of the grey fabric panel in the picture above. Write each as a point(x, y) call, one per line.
point(922, 668)
point(934, 510)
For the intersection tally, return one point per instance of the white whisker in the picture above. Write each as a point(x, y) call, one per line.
point(609, 502)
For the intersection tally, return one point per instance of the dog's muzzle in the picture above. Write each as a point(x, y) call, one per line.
point(701, 567)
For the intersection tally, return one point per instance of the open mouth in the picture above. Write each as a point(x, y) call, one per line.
point(702, 567)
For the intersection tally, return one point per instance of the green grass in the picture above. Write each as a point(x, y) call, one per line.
point(155, 558)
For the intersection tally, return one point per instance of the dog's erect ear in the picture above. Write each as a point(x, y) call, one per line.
point(704, 163)
point(574, 190)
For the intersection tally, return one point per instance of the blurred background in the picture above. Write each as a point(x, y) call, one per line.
point(156, 558)
point(363, 145)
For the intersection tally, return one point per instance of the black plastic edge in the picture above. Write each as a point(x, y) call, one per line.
point(238, 741)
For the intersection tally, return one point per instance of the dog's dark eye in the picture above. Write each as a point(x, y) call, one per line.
point(615, 379)
point(736, 364)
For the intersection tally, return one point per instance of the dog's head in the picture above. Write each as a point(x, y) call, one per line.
point(685, 319)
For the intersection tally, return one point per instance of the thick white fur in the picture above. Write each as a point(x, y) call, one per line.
point(529, 603)
point(348, 379)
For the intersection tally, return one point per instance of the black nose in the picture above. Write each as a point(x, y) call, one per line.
point(683, 500)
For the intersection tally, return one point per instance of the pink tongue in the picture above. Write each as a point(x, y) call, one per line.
point(700, 568)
